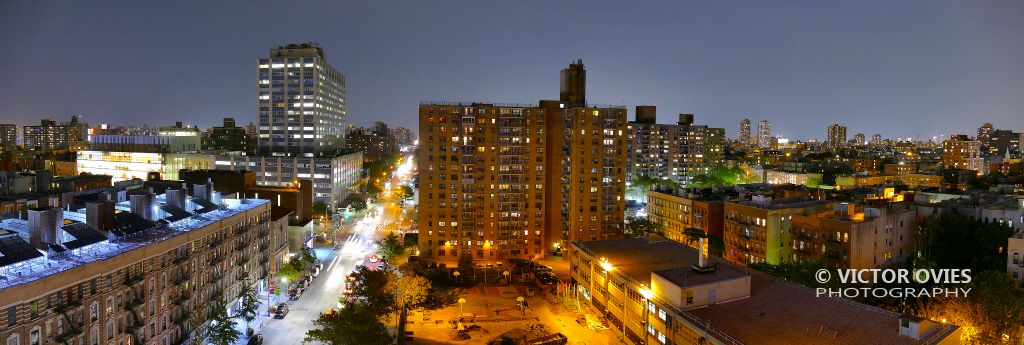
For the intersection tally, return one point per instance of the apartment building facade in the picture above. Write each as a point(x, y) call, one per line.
point(855, 236)
point(677, 152)
point(153, 273)
point(759, 230)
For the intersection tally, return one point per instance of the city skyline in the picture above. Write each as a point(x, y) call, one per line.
point(861, 66)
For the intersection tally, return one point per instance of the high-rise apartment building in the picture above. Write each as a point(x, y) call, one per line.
point(859, 139)
point(50, 135)
point(403, 136)
point(501, 181)
point(301, 101)
point(836, 136)
point(744, 134)
point(228, 138)
point(960, 152)
point(375, 142)
point(764, 133)
point(985, 133)
point(877, 140)
point(8, 137)
point(676, 152)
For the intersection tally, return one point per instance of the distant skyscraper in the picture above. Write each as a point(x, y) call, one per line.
point(573, 90)
point(403, 136)
point(8, 137)
point(764, 133)
point(301, 103)
point(836, 136)
point(228, 137)
point(877, 140)
point(859, 139)
point(744, 133)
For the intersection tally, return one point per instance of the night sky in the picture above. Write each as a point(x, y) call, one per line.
point(898, 68)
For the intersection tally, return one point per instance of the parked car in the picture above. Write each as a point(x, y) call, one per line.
point(374, 258)
point(255, 339)
point(282, 310)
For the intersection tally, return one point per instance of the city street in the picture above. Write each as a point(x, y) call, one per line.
point(353, 247)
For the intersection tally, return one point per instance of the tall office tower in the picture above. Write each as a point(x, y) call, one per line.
point(573, 86)
point(836, 136)
point(859, 139)
point(501, 181)
point(50, 135)
point(877, 140)
point(764, 133)
point(676, 152)
point(403, 136)
point(8, 137)
point(744, 134)
point(960, 152)
point(301, 103)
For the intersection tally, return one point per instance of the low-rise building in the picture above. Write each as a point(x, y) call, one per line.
point(758, 230)
point(656, 291)
point(680, 209)
point(855, 236)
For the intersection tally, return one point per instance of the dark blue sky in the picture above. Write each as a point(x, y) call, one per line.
point(899, 68)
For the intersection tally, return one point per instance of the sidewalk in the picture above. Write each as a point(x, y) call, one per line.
point(262, 317)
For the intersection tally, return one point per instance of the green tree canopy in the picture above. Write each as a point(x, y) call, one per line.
point(390, 246)
point(222, 328)
point(373, 289)
point(356, 324)
point(638, 227)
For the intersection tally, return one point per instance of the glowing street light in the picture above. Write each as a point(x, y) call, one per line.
point(462, 301)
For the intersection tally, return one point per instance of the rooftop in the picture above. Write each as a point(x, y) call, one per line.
point(21, 263)
point(638, 258)
point(776, 312)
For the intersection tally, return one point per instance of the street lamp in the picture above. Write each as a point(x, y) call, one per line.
point(520, 299)
point(456, 274)
point(462, 301)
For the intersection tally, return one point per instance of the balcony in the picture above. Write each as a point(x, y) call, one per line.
point(182, 298)
point(132, 280)
point(182, 279)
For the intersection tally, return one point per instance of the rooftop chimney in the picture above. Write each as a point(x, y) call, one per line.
point(703, 264)
point(100, 215)
point(177, 197)
point(142, 205)
point(204, 191)
point(43, 225)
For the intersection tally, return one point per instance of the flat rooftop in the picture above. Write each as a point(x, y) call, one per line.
point(37, 267)
point(638, 258)
point(776, 312)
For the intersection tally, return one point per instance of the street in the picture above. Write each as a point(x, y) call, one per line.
point(352, 248)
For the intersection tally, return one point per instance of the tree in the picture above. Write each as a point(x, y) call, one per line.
point(222, 328)
point(249, 304)
point(638, 227)
point(319, 209)
point(993, 308)
point(411, 291)
point(358, 205)
point(407, 192)
point(955, 241)
point(291, 270)
point(390, 246)
point(465, 264)
point(356, 324)
point(373, 290)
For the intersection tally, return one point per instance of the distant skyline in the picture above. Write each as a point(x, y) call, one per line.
point(908, 68)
